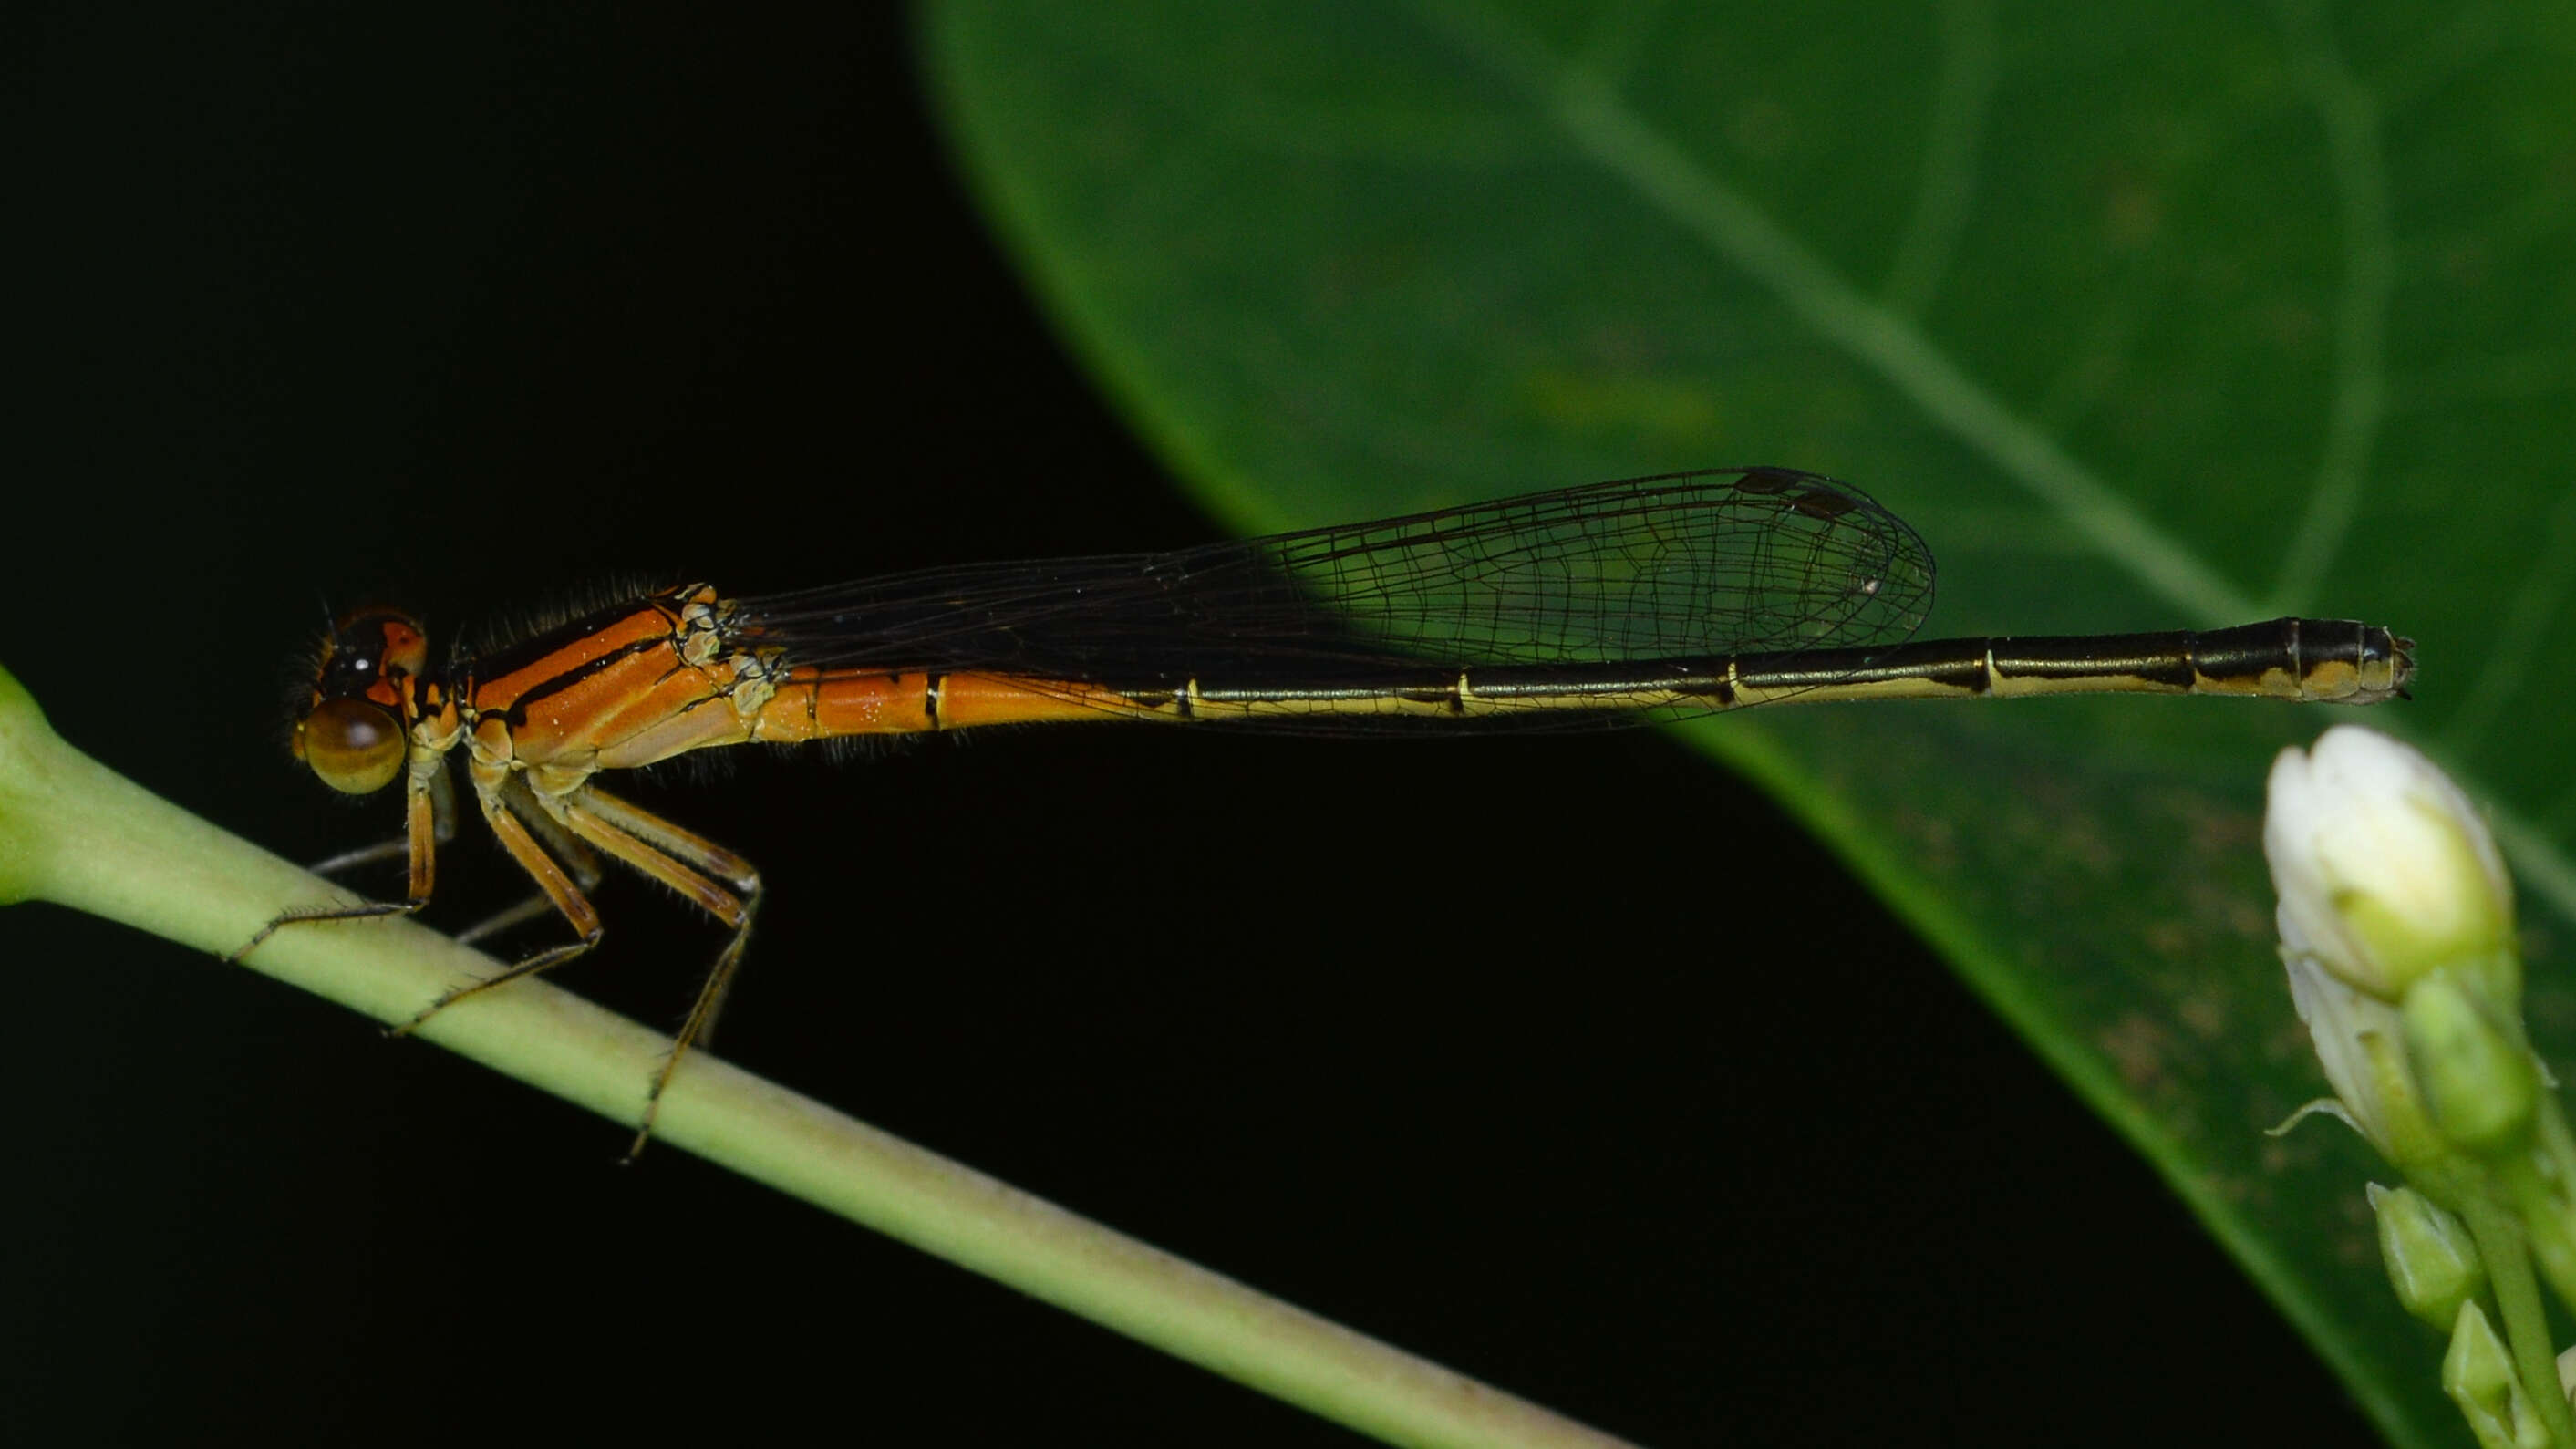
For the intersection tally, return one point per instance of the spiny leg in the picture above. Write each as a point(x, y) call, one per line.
point(579, 860)
point(559, 891)
point(442, 814)
point(364, 855)
point(429, 805)
point(719, 882)
point(700, 1026)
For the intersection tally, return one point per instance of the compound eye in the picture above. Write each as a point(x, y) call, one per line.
point(356, 747)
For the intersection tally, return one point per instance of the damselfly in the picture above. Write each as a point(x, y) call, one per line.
point(1672, 595)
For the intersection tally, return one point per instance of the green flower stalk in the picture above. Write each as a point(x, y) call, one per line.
point(2396, 922)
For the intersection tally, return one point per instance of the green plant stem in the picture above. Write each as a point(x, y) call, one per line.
point(2525, 1321)
point(2536, 1184)
point(78, 834)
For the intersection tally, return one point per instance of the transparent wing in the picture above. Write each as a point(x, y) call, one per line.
point(1676, 567)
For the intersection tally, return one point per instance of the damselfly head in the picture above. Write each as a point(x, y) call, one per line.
point(350, 728)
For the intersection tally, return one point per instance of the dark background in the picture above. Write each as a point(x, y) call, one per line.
point(1565, 1062)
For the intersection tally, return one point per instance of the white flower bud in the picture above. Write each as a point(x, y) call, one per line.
point(2385, 870)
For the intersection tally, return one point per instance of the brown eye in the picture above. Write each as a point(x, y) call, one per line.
point(354, 746)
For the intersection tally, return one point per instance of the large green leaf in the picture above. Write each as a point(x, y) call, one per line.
point(2145, 317)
